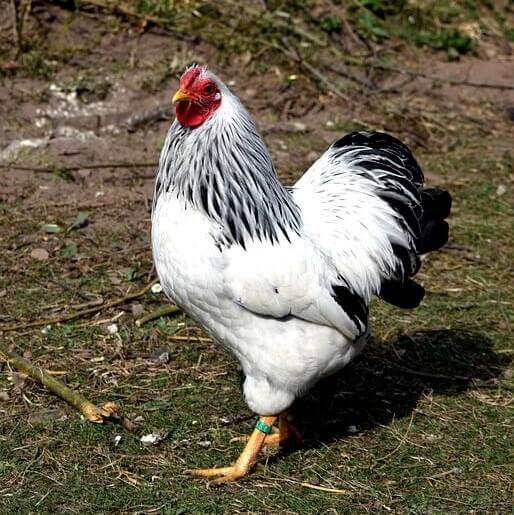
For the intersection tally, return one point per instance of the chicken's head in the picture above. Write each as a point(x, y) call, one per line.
point(197, 98)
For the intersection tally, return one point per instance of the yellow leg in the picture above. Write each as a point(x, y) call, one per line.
point(284, 435)
point(245, 461)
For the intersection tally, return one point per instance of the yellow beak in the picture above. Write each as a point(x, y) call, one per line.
point(180, 96)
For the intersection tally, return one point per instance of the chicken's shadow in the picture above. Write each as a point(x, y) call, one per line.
point(386, 382)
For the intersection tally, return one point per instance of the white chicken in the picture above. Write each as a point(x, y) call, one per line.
point(282, 277)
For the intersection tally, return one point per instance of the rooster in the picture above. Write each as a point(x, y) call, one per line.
point(283, 277)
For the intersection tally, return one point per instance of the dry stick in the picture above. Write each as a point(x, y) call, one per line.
point(337, 491)
point(452, 82)
point(78, 314)
point(77, 167)
point(21, 10)
point(158, 313)
point(314, 72)
point(109, 411)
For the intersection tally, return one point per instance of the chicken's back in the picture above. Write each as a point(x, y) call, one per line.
point(364, 205)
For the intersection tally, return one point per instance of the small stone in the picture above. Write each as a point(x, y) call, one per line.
point(117, 440)
point(501, 190)
point(204, 443)
point(112, 328)
point(353, 429)
point(39, 254)
point(156, 288)
point(4, 396)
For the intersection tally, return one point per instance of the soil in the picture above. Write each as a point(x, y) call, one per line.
point(110, 102)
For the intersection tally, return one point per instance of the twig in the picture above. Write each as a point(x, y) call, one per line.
point(158, 313)
point(163, 112)
point(21, 10)
point(337, 491)
point(78, 314)
point(402, 441)
point(109, 411)
point(312, 70)
point(66, 169)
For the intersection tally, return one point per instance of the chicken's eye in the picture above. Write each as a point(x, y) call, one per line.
point(209, 89)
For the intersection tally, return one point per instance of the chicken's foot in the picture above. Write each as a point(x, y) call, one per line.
point(246, 459)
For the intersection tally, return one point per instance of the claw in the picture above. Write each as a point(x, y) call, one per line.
point(226, 474)
point(244, 463)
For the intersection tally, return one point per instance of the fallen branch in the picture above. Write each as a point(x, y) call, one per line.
point(316, 74)
point(158, 313)
point(108, 412)
point(78, 314)
point(452, 82)
point(163, 112)
point(66, 169)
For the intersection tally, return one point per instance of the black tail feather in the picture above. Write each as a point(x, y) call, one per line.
point(436, 203)
point(404, 292)
point(436, 206)
point(407, 294)
point(435, 235)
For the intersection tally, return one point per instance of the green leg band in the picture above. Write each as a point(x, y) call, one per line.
point(263, 427)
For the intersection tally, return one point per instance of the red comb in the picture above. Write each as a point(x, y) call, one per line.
point(190, 75)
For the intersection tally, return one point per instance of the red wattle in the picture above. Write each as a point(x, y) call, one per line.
point(190, 114)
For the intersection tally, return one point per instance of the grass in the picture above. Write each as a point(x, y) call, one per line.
point(420, 423)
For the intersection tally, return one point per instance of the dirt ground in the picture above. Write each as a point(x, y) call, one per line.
point(422, 424)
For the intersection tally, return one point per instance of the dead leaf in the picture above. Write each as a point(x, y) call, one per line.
point(160, 355)
point(18, 380)
point(137, 309)
point(153, 438)
point(81, 220)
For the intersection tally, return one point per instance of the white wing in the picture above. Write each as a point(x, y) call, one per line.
point(289, 279)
